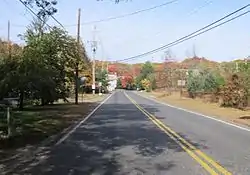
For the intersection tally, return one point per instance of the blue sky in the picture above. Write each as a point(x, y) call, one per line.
point(133, 35)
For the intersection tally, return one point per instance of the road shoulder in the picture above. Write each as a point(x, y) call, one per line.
point(229, 116)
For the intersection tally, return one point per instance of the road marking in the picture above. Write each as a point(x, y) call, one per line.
point(196, 113)
point(84, 120)
point(195, 153)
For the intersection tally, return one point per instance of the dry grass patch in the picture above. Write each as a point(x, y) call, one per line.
point(198, 105)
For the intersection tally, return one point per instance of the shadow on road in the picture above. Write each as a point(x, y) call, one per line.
point(117, 139)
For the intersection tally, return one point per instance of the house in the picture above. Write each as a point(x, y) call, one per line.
point(112, 81)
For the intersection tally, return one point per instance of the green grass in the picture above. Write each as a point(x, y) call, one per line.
point(37, 123)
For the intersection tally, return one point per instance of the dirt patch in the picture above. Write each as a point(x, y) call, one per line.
point(198, 105)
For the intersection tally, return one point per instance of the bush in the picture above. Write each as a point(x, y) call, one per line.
point(146, 85)
point(203, 82)
point(233, 94)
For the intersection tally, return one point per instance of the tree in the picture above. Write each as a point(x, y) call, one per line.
point(46, 8)
point(194, 83)
point(243, 72)
point(203, 81)
point(147, 69)
point(234, 93)
point(44, 69)
point(146, 84)
point(146, 73)
point(151, 78)
point(119, 83)
point(101, 76)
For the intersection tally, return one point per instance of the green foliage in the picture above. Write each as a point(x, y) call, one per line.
point(45, 7)
point(44, 69)
point(147, 69)
point(119, 83)
point(101, 76)
point(244, 72)
point(151, 78)
point(194, 83)
point(147, 73)
point(138, 82)
point(203, 81)
point(51, 58)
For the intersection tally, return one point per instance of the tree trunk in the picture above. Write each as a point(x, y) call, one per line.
point(21, 100)
point(42, 101)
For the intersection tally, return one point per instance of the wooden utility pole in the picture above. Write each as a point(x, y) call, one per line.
point(78, 51)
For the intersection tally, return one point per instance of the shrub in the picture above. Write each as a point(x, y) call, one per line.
point(234, 94)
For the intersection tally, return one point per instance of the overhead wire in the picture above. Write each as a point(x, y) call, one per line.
point(31, 11)
point(58, 22)
point(192, 12)
point(125, 15)
point(208, 2)
point(227, 21)
point(15, 10)
point(52, 16)
point(107, 19)
point(189, 36)
point(7, 3)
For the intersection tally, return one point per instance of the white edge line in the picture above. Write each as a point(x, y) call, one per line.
point(196, 113)
point(82, 121)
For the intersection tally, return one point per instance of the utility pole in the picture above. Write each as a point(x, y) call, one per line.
point(102, 49)
point(78, 56)
point(94, 48)
point(9, 44)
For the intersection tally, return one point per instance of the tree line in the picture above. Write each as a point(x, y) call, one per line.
point(41, 71)
point(227, 83)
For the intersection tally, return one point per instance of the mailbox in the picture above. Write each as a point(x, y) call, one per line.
point(10, 102)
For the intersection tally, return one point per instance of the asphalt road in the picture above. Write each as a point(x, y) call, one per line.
point(122, 137)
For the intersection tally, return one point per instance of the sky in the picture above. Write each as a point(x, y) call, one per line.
point(136, 34)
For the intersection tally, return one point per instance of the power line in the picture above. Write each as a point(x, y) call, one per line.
point(190, 35)
point(190, 13)
point(126, 15)
point(227, 21)
point(58, 22)
point(7, 3)
point(52, 16)
point(110, 18)
point(31, 11)
point(208, 2)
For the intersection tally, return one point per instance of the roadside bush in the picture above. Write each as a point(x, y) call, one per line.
point(234, 94)
point(146, 85)
point(202, 82)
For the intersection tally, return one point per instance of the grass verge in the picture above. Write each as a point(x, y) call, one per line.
point(35, 124)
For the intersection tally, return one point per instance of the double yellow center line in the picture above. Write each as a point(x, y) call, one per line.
point(204, 160)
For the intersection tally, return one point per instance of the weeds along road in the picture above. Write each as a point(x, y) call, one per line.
point(129, 134)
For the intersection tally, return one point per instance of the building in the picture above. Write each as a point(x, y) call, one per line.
point(112, 81)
